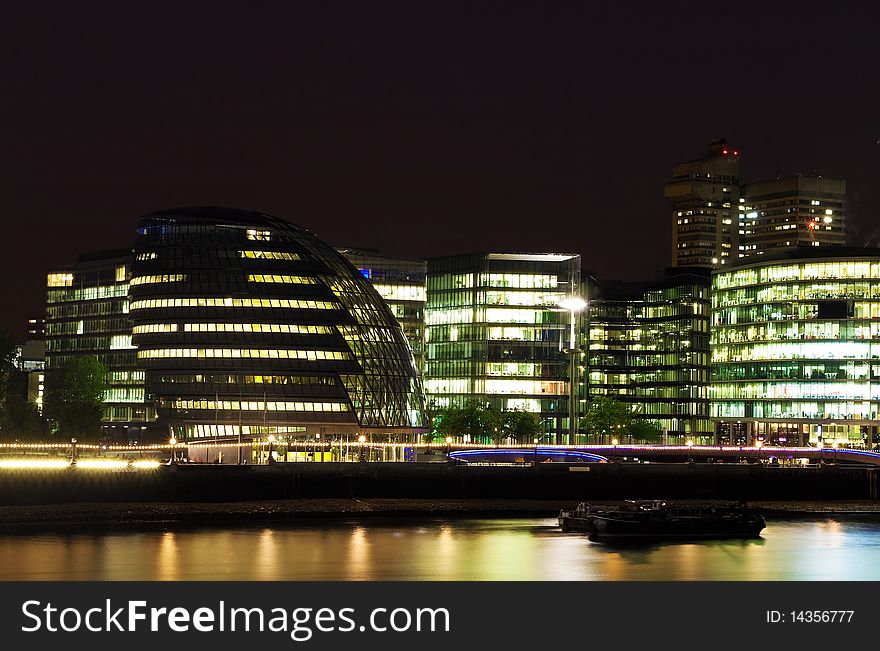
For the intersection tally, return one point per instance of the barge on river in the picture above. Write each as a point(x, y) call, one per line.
point(655, 519)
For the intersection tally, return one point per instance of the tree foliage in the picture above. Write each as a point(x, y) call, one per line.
point(7, 367)
point(645, 431)
point(22, 421)
point(74, 400)
point(608, 418)
point(485, 424)
point(522, 426)
point(482, 423)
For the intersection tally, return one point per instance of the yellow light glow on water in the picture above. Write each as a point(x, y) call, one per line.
point(34, 464)
point(101, 464)
point(145, 465)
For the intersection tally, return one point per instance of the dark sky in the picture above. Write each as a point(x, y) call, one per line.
point(417, 128)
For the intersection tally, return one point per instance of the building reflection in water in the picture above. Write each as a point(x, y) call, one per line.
point(524, 549)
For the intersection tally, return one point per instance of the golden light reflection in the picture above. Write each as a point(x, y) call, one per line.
point(168, 557)
point(266, 567)
point(358, 554)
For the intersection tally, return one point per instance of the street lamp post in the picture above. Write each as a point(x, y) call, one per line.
point(271, 443)
point(173, 442)
point(573, 304)
point(362, 439)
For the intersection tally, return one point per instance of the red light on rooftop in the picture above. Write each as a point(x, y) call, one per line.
point(736, 152)
point(724, 152)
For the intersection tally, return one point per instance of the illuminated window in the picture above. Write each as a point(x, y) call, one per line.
point(161, 278)
point(154, 328)
point(258, 327)
point(254, 234)
point(269, 255)
point(250, 353)
point(231, 302)
point(261, 405)
point(275, 278)
point(60, 280)
point(401, 292)
point(120, 273)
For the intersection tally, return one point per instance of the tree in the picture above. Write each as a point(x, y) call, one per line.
point(521, 426)
point(607, 417)
point(22, 421)
point(474, 419)
point(7, 366)
point(645, 431)
point(74, 399)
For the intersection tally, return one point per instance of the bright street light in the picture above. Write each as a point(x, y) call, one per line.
point(573, 304)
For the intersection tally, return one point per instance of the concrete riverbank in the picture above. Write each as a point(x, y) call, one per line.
point(364, 481)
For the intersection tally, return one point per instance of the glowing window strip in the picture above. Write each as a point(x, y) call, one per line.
point(254, 234)
point(259, 327)
point(159, 278)
point(59, 280)
point(402, 292)
point(260, 405)
point(151, 255)
point(276, 278)
point(285, 328)
point(231, 302)
point(269, 255)
point(152, 328)
point(251, 353)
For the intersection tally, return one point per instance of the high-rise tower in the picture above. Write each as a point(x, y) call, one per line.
point(705, 208)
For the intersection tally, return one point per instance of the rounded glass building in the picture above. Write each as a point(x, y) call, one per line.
point(247, 325)
point(796, 349)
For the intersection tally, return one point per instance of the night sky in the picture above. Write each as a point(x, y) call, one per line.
point(417, 128)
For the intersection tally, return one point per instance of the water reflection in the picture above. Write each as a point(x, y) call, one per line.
point(515, 549)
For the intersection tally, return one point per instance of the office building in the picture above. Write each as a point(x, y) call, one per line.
point(496, 334)
point(783, 214)
point(705, 196)
point(36, 329)
point(248, 326)
point(648, 346)
point(30, 359)
point(87, 315)
point(402, 283)
point(793, 348)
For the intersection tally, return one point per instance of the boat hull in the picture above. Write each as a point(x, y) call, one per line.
point(657, 520)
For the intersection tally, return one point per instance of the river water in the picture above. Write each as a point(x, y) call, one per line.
point(441, 549)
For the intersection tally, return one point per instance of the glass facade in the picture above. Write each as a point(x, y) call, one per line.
point(87, 311)
point(249, 325)
point(796, 348)
point(648, 346)
point(495, 332)
point(403, 285)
